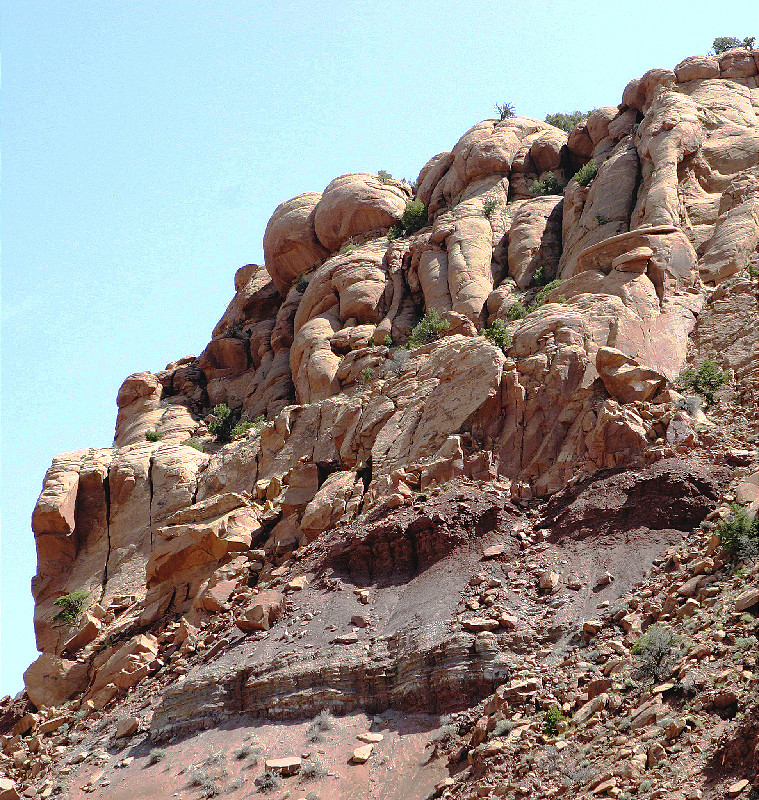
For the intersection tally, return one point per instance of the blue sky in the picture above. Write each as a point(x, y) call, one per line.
point(146, 144)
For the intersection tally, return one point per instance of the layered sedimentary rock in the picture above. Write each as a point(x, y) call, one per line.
point(348, 422)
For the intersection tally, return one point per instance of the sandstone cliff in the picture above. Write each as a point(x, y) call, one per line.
point(390, 471)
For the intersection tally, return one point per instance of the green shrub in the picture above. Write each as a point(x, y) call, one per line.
point(153, 436)
point(656, 651)
point(301, 284)
point(586, 173)
point(193, 442)
point(753, 271)
point(739, 534)
point(218, 425)
point(540, 297)
point(516, 311)
point(384, 176)
point(388, 341)
point(498, 335)
point(366, 376)
point(156, 754)
point(540, 278)
point(428, 329)
point(71, 606)
point(488, 207)
point(552, 720)
point(549, 185)
point(414, 216)
point(226, 423)
point(567, 122)
point(724, 43)
point(244, 426)
point(705, 380)
point(505, 110)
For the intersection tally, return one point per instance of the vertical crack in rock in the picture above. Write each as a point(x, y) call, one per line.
point(107, 493)
point(150, 503)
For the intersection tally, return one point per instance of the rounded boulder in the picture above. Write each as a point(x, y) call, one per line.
point(355, 204)
point(291, 246)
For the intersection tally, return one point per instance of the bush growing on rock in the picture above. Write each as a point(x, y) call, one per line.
point(414, 217)
point(366, 376)
point(505, 110)
point(586, 173)
point(540, 297)
point(498, 335)
point(567, 122)
point(153, 436)
point(739, 534)
point(706, 380)
point(71, 606)
point(428, 329)
point(549, 185)
point(397, 363)
point(723, 43)
point(156, 754)
point(488, 206)
point(226, 423)
point(516, 311)
point(301, 284)
point(384, 176)
point(193, 442)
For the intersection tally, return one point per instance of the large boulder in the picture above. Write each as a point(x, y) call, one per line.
point(291, 246)
point(50, 680)
point(355, 204)
point(261, 612)
point(624, 378)
point(127, 666)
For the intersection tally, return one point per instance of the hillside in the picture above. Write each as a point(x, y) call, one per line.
point(434, 513)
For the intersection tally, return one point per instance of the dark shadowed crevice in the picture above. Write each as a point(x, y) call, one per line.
point(107, 493)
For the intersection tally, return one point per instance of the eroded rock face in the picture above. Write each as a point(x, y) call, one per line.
point(342, 422)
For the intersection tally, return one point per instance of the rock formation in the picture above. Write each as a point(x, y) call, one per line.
point(343, 473)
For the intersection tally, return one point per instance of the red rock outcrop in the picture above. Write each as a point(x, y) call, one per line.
point(326, 488)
